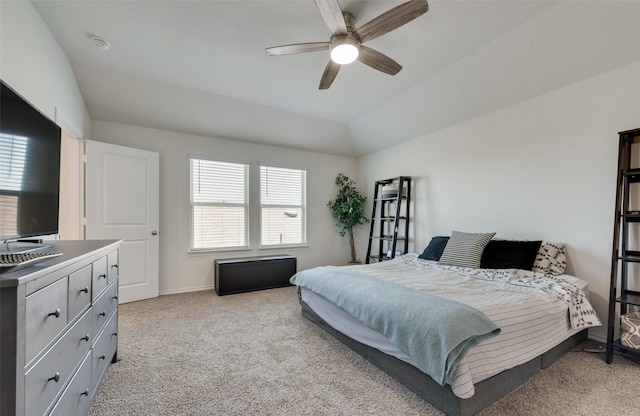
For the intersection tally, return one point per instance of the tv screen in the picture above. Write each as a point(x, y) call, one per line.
point(29, 169)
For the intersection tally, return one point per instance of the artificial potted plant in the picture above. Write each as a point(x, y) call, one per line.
point(348, 210)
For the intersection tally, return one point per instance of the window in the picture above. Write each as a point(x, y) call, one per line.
point(13, 156)
point(13, 150)
point(282, 206)
point(219, 205)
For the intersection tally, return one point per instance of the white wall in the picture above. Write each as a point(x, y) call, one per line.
point(32, 63)
point(181, 271)
point(542, 169)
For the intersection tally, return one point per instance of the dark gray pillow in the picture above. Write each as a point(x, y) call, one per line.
point(465, 249)
point(435, 248)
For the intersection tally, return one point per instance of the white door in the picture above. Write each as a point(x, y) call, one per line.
point(122, 193)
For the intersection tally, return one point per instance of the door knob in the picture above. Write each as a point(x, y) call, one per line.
point(154, 232)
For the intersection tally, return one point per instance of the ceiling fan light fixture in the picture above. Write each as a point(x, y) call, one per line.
point(344, 50)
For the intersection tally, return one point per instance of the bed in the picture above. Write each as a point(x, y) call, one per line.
point(461, 324)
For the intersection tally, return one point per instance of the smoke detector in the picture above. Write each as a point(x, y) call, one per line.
point(100, 43)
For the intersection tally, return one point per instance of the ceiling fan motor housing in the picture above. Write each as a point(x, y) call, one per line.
point(349, 21)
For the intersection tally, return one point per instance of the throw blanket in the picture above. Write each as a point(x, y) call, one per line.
point(581, 313)
point(434, 331)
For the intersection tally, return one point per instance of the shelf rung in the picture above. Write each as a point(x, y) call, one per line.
point(379, 258)
point(389, 218)
point(631, 216)
point(633, 257)
point(617, 346)
point(632, 175)
point(633, 178)
point(386, 237)
point(632, 298)
point(391, 199)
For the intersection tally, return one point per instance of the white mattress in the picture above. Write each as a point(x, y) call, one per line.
point(531, 321)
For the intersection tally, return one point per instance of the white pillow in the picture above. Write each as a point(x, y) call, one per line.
point(551, 259)
point(465, 249)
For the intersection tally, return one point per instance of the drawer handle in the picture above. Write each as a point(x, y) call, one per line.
point(102, 314)
point(115, 334)
point(85, 338)
point(115, 297)
point(102, 275)
point(56, 377)
point(114, 266)
point(85, 392)
point(85, 290)
point(55, 313)
point(102, 357)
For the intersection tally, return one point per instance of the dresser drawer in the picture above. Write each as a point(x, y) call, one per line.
point(46, 316)
point(99, 277)
point(112, 266)
point(79, 291)
point(104, 349)
point(103, 308)
point(76, 399)
point(49, 375)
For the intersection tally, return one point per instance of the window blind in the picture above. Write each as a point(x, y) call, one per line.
point(282, 206)
point(219, 204)
point(12, 162)
point(13, 156)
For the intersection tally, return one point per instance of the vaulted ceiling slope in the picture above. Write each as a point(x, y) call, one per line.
point(200, 67)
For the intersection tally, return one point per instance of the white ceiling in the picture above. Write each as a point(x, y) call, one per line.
point(199, 67)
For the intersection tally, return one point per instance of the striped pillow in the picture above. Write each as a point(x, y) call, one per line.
point(465, 249)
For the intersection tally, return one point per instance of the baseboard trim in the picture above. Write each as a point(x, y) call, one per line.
point(186, 290)
point(597, 338)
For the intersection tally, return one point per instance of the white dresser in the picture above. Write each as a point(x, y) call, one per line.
point(58, 329)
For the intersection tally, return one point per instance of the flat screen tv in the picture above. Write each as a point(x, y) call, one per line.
point(30, 146)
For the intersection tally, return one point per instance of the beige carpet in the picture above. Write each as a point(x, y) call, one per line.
point(254, 354)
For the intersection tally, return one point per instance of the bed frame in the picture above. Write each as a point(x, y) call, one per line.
point(442, 397)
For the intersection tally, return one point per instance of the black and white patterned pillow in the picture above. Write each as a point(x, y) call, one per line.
point(630, 330)
point(551, 259)
point(465, 249)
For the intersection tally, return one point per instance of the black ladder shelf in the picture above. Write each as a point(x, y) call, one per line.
point(390, 214)
point(626, 248)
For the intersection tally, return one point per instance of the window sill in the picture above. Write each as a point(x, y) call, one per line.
point(209, 251)
point(213, 251)
point(283, 247)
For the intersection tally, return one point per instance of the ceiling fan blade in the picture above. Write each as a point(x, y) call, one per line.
point(329, 74)
point(298, 48)
point(379, 61)
point(332, 16)
point(392, 19)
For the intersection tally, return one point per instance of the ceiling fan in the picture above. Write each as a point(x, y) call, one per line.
point(346, 43)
